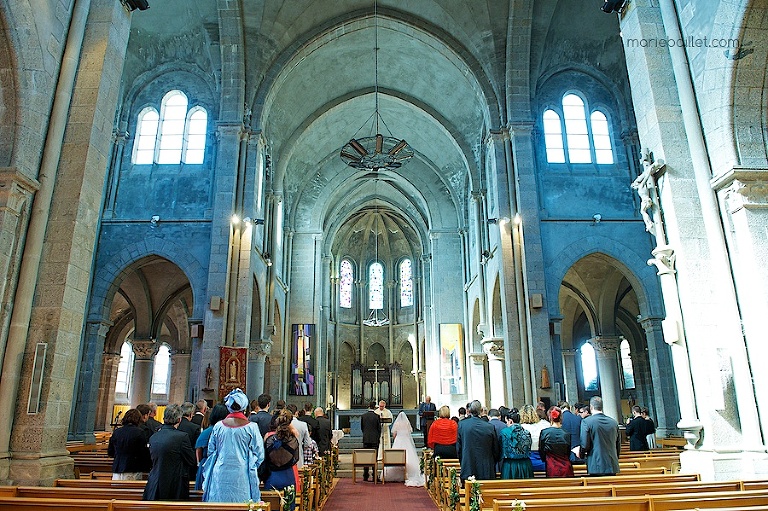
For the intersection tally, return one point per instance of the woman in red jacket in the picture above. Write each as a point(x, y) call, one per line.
point(442, 435)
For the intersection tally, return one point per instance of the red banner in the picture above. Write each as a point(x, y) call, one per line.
point(233, 363)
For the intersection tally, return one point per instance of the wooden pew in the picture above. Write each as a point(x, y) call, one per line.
point(38, 504)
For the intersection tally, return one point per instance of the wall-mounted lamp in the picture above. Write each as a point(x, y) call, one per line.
point(492, 221)
point(154, 220)
point(258, 221)
point(235, 219)
point(267, 258)
point(518, 219)
point(485, 255)
point(596, 218)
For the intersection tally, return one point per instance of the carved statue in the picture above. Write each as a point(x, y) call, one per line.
point(208, 376)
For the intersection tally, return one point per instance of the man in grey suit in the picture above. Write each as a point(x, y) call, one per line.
point(600, 442)
point(477, 445)
point(370, 423)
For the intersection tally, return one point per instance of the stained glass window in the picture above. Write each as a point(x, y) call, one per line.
point(626, 366)
point(406, 283)
point(346, 278)
point(161, 373)
point(376, 286)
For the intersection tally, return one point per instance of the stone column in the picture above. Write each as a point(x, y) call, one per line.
point(569, 374)
point(607, 351)
point(89, 378)
point(257, 357)
point(478, 377)
point(143, 363)
point(178, 390)
point(494, 348)
point(105, 405)
point(666, 387)
point(50, 309)
point(643, 390)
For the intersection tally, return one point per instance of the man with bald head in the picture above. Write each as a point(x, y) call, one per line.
point(323, 431)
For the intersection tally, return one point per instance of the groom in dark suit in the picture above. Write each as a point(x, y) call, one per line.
point(371, 426)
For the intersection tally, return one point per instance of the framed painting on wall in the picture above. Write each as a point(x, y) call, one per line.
point(302, 369)
point(451, 358)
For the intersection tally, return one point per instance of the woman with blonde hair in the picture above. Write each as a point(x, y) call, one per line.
point(530, 421)
point(442, 435)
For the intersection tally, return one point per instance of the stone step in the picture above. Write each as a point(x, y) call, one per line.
point(349, 443)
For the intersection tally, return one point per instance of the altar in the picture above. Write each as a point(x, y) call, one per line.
point(351, 419)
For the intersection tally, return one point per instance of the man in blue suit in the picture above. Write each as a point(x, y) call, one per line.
point(572, 424)
point(600, 442)
point(477, 445)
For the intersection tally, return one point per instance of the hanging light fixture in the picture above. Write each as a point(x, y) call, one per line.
point(377, 317)
point(379, 151)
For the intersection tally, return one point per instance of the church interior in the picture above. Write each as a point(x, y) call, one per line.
point(339, 201)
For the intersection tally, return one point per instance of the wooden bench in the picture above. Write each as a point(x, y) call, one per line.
point(38, 504)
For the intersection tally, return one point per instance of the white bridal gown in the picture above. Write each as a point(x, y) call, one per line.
point(401, 432)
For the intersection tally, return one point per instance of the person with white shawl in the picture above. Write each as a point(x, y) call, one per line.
point(401, 432)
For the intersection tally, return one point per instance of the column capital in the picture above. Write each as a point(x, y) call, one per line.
point(493, 347)
point(15, 188)
point(144, 349)
point(605, 344)
point(478, 195)
point(260, 350)
point(743, 187)
point(663, 259)
point(478, 358)
point(650, 323)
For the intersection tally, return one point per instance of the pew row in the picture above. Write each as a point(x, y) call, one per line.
point(37, 504)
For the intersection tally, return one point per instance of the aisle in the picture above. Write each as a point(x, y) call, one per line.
point(378, 497)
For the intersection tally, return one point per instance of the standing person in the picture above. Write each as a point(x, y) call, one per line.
point(529, 419)
point(652, 434)
point(600, 441)
point(462, 413)
point(263, 418)
point(555, 446)
point(201, 408)
point(426, 422)
point(312, 423)
point(217, 413)
point(152, 422)
point(572, 425)
point(235, 451)
point(383, 412)
point(515, 449)
point(193, 430)
point(128, 448)
point(281, 453)
point(324, 431)
point(144, 410)
point(172, 460)
point(303, 434)
point(442, 435)
point(371, 426)
point(638, 429)
point(411, 475)
point(477, 446)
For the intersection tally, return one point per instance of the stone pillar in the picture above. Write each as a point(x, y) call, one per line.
point(569, 374)
point(105, 405)
point(607, 351)
point(178, 390)
point(89, 380)
point(666, 410)
point(494, 348)
point(478, 377)
point(143, 363)
point(51, 308)
point(257, 356)
point(743, 193)
point(643, 390)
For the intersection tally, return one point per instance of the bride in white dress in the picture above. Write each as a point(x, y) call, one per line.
point(401, 432)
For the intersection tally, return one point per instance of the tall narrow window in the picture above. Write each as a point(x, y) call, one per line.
point(346, 279)
point(146, 135)
point(376, 286)
point(626, 365)
point(197, 127)
point(124, 369)
point(576, 129)
point(588, 366)
point(406, 283)
point(174, 114)
point(161, 372)
point(601, 138)
point(553, 137)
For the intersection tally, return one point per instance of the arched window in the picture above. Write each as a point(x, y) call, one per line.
point(588, 366)
point(161, 372)
point(197, 127)
point(146, 135)
point(576, 133)
point(346, 279)
point(626, 365)
point(601, 138)
point(406, 283)
point(553, 137)
point(376, 286)
point(124, 369)
point(173, 135)
point(583, 138)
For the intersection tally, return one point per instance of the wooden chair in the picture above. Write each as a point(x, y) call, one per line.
point(392, 458)
point(364, 458)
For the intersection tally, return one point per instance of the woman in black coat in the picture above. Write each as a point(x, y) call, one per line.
point(128, 447)
point(172, 458)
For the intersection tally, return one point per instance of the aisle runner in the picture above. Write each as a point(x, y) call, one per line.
point(378, 497)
